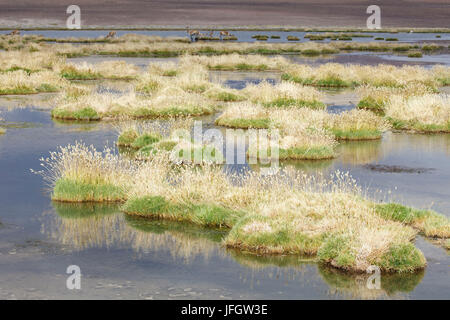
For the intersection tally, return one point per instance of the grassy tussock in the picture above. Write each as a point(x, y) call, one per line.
point(236, 62)
point(21, 82)
point(375, 98)
point(144, 141)
point(114, 70)
point(338, 75)
point(430, 223)
point(29, 61)
point(302, 134)
point(284, 94)
point(170, 102)
point(357, 125)
point(78, 173)
point(428, 113)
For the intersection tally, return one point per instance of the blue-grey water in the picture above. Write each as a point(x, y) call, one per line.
point(243, 36)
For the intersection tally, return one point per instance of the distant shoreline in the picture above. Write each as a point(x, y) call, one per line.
point(232, 28)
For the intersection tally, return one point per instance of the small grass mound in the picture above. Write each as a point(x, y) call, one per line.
point(370, 103)
point(289, 102)
point(432, 224)
point(243, 123)
point(415, 55)
point(145, 140)
point(428, 113)
point(85, 114)
point(71, 73)
point(402, 258)
point(66, 190)
point(203, 214)
point(127, 137)
point(361, 134)
point(300, 153)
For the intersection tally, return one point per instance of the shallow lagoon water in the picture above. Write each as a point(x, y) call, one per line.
point(128, 258)
point(243, 36)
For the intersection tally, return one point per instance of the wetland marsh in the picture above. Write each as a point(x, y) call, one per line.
point(208, 236)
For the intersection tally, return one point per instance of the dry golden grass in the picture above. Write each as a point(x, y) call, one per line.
point(357, 125)
point(168, 102)
point(284, 94)
point(375, 98)
point(339, 75)
point(20, 82)
point(427, 113)
point(104, 70)
point(237, 62)
point(30, 61)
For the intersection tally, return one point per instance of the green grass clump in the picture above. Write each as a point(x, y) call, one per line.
point(401, 49)
point(292, 38)
point(416, 126)
point(432, 224)
point(391, 39)
point(147, 113)
point(330, 81)
point(402, 258)
point(430, 47)
point(289, 102)
point(369, 103)
point(304, 153)
point(127, 138)
point(280, 241)
point(260, 37)
point(225, 96)
point(310, 52)
point(145, 140)
point(415, 55)
point(73, 191)
point(336, 250)
point(356, 134)
point(201, 214)
point(85, 114)
point(275, 37)
point(72, 73)
point(244, 123)
point(379, 38)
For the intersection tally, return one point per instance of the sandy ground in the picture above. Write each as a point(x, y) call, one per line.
point(300, 13)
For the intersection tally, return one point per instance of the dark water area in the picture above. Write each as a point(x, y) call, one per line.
point(128, 258)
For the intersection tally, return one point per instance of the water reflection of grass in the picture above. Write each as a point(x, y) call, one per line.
point(158, 226)
point(359, 152)
point(355, 286)
point(352, 286)
point(83, 210)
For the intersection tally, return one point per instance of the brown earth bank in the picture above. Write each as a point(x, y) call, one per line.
point(295, 13)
